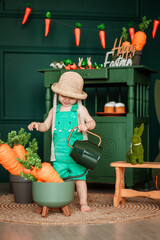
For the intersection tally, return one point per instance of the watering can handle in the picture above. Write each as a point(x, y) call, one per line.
point(88, 132)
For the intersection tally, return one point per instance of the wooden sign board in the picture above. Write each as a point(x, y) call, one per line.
point(121, 55)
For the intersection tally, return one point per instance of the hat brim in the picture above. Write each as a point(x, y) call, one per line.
point(67, 93)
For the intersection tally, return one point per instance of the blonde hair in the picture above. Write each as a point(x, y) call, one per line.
point(81, 114)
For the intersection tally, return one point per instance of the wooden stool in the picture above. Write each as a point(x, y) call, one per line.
point(120, 192)
point(44, 210)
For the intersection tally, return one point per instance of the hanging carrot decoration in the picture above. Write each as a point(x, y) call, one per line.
point(140, 37)
point(131, 30)
point(101, 28)
point(47, 23)
point(125, 37)
point(27, 12)
point(77, 33)
point(155, 26)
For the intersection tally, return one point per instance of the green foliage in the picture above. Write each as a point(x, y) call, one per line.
point(101, 26)
point(22, 137)
point(28, 176)
point(124, 34)
point(144, 24)
point(48, 15)
point(1, 142)
point(78, 25)
point(31, 159)
point(68, 61)
point(33, 145)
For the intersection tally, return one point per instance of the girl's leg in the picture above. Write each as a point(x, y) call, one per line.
point(81, 187)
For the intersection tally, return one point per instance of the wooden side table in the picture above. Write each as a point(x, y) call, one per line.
point(120, 192)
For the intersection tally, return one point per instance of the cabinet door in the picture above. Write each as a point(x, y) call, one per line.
point(113, 136)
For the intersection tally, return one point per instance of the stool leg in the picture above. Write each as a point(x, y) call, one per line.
point(39, 209)
point(45, 211)
point(118, 186)
point(66, 211)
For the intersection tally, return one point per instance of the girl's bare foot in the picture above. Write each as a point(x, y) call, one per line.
point(85, 208)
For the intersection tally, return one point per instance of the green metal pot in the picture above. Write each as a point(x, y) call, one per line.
point(53, 194)
point(84, 152)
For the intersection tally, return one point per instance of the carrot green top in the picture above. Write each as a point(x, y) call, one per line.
point(130, 24)
point(48, 15)
point(124, 34)
point(22, 137)
point(144, 24)
point(101, 26)
point(29, 5)
point(78, 25)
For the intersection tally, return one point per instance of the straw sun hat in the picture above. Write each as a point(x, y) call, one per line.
point(70, 85)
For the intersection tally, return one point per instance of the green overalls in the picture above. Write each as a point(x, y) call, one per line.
point(64, 164)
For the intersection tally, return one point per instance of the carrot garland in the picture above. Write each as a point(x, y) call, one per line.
point(47, 23)
point(140, 37)
point(125, 37)
point(155, 26)
point(27, 12)
point(77, 33)
point(131, 31)
point(101, 28)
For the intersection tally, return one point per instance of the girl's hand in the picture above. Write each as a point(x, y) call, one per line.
point(82, 127)
point(34, 125)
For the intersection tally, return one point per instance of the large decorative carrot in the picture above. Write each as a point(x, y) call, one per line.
point(8, 159)
point(27, 12)
point(140, 37)
point(155, 26)
point(131, 30)
point(125, 37)
point(101, 28)
point(47, 23)
point(43, 172)
point(77, 33)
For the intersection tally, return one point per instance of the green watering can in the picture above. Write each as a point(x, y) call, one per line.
point(85, 153)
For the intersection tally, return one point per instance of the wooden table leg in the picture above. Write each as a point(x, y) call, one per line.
point(123, 199)
point(118, 186)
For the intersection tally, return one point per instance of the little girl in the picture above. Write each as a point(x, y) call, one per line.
point(63, 117)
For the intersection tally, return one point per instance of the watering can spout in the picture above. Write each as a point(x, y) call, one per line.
point(85, 153)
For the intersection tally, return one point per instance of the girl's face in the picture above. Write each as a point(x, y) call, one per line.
point(67, 101)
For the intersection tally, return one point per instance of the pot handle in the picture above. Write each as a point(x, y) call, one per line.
point(88, 132)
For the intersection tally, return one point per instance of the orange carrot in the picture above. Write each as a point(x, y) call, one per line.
point(77, 33)
point(44, 174)
point(20, 150)
point(8, 159)
point(27, 12)
point(131, 30)
point(155, 26)
point(140, 37)
point(139, 40)
point(47, 23)
point(101, 27)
